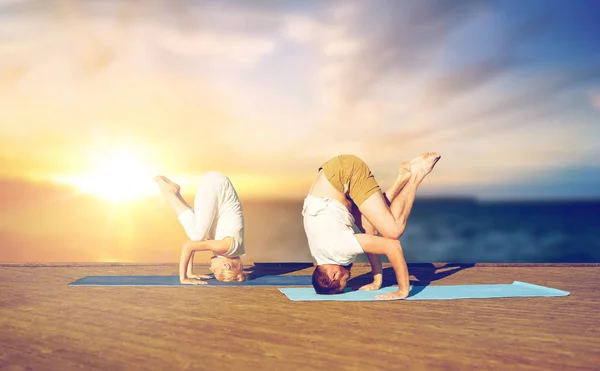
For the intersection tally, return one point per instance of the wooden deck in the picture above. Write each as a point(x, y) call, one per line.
point(47, 325)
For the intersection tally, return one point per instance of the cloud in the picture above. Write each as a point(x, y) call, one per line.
point(245, 50)
point(301, 28)
point(276, 88)
point(393, 37)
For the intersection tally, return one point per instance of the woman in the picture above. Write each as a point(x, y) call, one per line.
point(214, 224)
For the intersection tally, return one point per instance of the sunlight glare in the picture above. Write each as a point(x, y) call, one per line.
point(117, 176)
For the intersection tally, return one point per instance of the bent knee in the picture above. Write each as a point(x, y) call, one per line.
point(196, 236)
point(394, 233)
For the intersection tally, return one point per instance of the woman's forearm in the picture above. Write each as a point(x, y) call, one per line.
point(190, 264)
point(186, 254)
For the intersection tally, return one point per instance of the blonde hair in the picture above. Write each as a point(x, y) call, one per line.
point(235, 274)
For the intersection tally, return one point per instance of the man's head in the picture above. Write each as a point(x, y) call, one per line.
point(228, 269)
point(328, 279)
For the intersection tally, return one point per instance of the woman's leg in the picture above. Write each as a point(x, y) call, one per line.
point(197, 221)
point(170, 192)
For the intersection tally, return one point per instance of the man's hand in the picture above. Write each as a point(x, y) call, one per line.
point(190, 281)
point(393, 295)
point(371, 287)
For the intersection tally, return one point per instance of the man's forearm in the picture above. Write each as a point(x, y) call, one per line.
point(376, 268)
point(396, 257)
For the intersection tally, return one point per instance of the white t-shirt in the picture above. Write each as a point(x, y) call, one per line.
point(328, 226)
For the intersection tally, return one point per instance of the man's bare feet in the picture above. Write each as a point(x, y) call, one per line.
point(423, 164)
point(404, 168)
point(166, 185)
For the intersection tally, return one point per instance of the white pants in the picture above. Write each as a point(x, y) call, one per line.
point(217, 213)
point(328, 227)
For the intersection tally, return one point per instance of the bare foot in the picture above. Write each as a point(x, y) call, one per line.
point(404, 167)
point(423, 164)
point(404, 174)
point(166, 185)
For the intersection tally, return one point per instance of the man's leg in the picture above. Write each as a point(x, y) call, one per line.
point(391, 221)
point(367, 228)
point(389, 196)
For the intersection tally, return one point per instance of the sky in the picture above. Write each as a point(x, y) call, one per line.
point(508, 92)
point(98, 96)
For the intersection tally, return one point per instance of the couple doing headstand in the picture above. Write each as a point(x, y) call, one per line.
point(344, 193)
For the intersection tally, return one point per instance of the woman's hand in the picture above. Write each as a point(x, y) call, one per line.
point(190, 281)
point(393, 295)
point(199, 276)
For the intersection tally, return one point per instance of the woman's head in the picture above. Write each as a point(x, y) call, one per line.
point(328, 279)
point(228, 269)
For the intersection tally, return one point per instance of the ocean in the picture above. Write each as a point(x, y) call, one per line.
point(58, 225)
point(452, 230)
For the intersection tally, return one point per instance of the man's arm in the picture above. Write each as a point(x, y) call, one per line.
point(374, 259)
point(396, 257)
point(377, 273)
point(393, 250)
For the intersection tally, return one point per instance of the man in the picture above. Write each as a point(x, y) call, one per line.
point(345, 192)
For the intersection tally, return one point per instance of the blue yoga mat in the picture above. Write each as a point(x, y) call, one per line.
point(174, 281)
point(447, 292)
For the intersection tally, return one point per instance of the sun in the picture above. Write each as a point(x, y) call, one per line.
point(116, 176)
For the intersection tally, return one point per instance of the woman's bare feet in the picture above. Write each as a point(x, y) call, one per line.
point(166, 185)
point(423, 164)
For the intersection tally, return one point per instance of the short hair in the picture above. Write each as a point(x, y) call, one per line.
point(231, 275)
point(234, 274)
point(323, 284)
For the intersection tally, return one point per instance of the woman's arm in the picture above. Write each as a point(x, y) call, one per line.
point(185, 263)
point(190, 273)
point(190, 264)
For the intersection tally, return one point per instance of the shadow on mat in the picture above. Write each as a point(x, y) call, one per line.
point(424, 273)
point(275, 269)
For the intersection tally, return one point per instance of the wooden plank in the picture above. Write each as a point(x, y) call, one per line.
point(45, 324)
